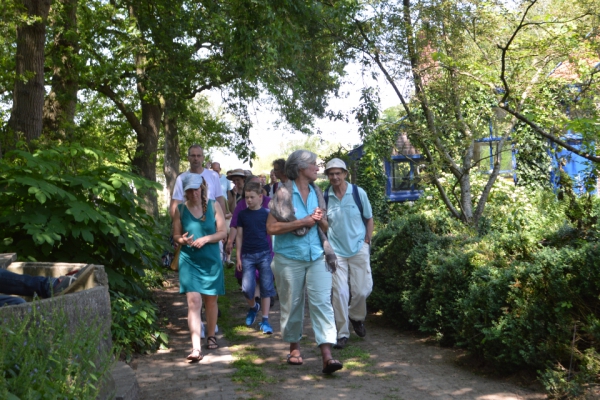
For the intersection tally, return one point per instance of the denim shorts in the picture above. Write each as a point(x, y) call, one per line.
point(250, 264)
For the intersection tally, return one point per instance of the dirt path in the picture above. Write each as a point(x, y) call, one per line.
point(387, 365)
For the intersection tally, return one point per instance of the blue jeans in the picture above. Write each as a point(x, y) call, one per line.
point(22, 285)
point(261, 262)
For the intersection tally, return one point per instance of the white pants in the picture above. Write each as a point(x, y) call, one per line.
point(351, 278)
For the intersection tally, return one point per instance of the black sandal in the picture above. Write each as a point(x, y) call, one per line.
point(211, 343)
point(331, 366)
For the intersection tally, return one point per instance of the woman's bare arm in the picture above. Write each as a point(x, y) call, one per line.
point(275, 227)
point(180, 237)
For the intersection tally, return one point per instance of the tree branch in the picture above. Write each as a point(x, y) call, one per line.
point(536, 128)
point(129, 115)
point(505, 50)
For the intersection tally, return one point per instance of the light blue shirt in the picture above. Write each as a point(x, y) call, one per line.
point(302, 248)
point(346, 228)
point(225, 185)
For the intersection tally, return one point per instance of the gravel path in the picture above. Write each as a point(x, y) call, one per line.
point(386, 364)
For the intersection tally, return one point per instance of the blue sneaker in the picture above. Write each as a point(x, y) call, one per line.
point(252, 313)
point(266, 328)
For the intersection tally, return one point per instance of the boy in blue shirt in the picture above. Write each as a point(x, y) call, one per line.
point(254, 253)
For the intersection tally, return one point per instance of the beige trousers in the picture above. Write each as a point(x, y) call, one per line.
point(352, 284)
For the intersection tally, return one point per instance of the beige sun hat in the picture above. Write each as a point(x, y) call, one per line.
point(236, 172)
point(335, 163)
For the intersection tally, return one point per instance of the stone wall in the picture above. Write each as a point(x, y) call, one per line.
point(88, 307)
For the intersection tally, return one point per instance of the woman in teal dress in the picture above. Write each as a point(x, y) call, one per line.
point(198, 226)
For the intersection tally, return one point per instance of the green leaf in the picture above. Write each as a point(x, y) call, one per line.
point(87, 235)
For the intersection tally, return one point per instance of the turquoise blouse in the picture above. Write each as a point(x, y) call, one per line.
point(303, 248)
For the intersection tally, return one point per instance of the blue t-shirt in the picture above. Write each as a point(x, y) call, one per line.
point(254, 225)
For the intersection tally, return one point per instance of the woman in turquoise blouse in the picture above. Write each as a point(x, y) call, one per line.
point(198, 227)
point(299, 262)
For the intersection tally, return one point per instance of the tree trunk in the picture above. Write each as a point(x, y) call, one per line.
point(171, 159)
point(60, 105)
point(28, 96)
point(144, 160)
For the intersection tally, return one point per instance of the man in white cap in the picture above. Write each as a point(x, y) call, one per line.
point(350, 229)
point(196, 159)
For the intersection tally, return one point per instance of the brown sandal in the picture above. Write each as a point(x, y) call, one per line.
point(294, 360)
point(211, 343)
point(195, 355)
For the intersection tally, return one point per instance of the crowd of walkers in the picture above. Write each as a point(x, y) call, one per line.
point(292, 240)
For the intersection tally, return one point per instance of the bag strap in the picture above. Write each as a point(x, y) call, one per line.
point(358, 202)
point(355, 196)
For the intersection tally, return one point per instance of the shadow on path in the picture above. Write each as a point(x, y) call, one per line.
point(385, 365)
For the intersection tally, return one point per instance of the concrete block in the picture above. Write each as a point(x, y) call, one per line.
point(88, 307)
point(7, 258)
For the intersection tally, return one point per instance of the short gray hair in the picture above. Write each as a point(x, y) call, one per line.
point(195, 146)
point(300, 159)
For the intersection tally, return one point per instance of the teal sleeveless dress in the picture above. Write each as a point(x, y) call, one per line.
point(200, 270)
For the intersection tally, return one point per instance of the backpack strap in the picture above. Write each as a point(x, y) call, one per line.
point(326, 195)
point(358, 202)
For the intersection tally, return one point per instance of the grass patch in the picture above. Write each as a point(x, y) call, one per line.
point(355, 358)
point(248, 372)
point(43, 357)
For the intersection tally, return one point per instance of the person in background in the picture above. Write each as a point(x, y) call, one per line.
point(303, 260)
point(27, 285)
point(198, 227)
point(350, 229)
point(225, 186)
point(279, 172)
point(272, 181)
point(263, 183)
point(196, 159)
point(225, 183)
point(234, 195)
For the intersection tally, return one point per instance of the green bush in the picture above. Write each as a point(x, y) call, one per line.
point(402, 269)
point(135, 325)
point(515, 293)
point(67, 203)
point(41, 359)
point(71, 204)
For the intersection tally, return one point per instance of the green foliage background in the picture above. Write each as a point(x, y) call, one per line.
point(71, 204)
point(515, 293)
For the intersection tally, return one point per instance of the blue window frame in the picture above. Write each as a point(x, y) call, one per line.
point(485, 154)
point(403, 183)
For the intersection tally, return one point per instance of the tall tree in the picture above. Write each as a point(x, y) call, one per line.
point(60, 104)
point(171, 52)
point(28, 94)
